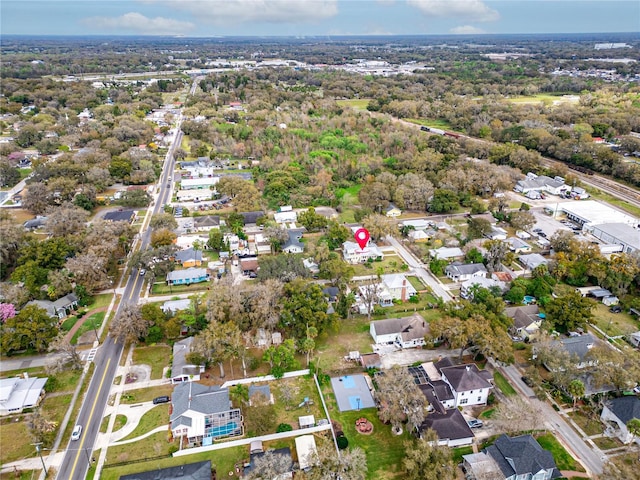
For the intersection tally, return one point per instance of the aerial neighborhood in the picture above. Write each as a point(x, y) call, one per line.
point(242, 261)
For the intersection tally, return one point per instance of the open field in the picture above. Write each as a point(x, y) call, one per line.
point(544, 98)
point(588, 426)
point(389, 264)
point(156, 356)
point(564, 461)
point(145, 394)
point(152, 446)
point(355, 103)
point(10, 449)
point(92, 323)
point(161, 288)
point(154, 418)
point(432, 122)
point(613, 324)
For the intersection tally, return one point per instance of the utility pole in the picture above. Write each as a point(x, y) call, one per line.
point(39, 451)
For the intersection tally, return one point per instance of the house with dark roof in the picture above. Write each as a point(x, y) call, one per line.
point(577, 347)
point(189, 257)
point(469, 385)
point(35, 223)
point(293, 243)
point(331, 294)
point(527, 320)
point(513, 458)
point(181, 369)
point(392, 211)
point(250, 218)
point(257, 391)
point(59, 308)
point(120, 216)
point(190, 471)
point(616, 413)
point(406, 332)
point(206, 223)
point(451, 427)
point(200, 414)
point(460, 272)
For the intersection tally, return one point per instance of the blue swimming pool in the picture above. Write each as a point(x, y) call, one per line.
point(223, 430)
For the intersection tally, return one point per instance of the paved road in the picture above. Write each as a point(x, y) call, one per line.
point(18, 363)
point(79, 453)
point(591, 458)
point(419, 269)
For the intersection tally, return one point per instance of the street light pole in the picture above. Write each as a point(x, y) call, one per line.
point(39, 451)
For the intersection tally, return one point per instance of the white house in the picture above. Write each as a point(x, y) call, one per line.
point(353, 254)
point(407, 332)
point(616, 414)
point(446, 253)
point(18, 393)
point(634, 339)
point(293, 243)
point(460, 272)
point(417, 224)
point(181, 369)
point(194, 194)
point(497, 233)
point(518, 245)
point(541, 183)
point(202, 414)
point(469, 385)
point(198, 183)
point(285, 214)
point(397, 287)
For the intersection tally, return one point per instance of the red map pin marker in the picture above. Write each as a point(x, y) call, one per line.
point(362, 237)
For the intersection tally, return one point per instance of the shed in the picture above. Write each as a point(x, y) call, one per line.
point(256, 446)
point(307, 451)
point(307, 421)
point(609, 301)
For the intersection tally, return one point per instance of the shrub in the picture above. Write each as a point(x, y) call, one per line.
point(342, 442)
point(284, 427)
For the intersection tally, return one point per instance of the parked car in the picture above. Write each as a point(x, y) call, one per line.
point(616, 309)
point(162, 399)
point(527, 381)
point(475, 423)
point(77, 431)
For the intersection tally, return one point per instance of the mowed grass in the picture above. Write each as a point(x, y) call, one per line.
point(154, 418)
point(355, 103)
point(613, 324)
point(541, 97)
point(156, 356)
point(587, 425)
point(145, 394)
point(152, 446)
point(94, 322)
point(223, 461)
point(617, 202)
point(504, 386)
point(564, 461)
point(432, 122)
point(10, 448)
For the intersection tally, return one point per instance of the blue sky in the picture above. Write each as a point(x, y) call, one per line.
point(204, 18)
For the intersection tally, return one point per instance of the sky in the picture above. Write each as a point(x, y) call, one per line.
point(210, 18)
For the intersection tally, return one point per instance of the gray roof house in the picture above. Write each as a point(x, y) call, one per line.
point(201, 414)
point(469, 385)
point(459, 272)
point(532, 260)
point(451, 427)
point(406, 332)
point(526, 320)
point(616, 414)
point(181, 370)
point(188, 257)
point(293, 243)
point(206, 222)
point(187, 276)
point(190, 471)
point(60, 308)
point(514, 458)
point(35, 223)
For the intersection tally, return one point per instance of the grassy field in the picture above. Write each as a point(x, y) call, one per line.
point(355, 103)
point(459, 452)
point(222, 460)
point(564, 461)
point(332, 347)
point(544, 98)
point(161, 288)
point(68, 323)
point(145, 394)
point(92, 323)
point(156, 356)
point(390, 264)
point(152, 446)
point(10, 449)
point(504, 386)
point(613, 324)
point(102, 300)
point(416, 283)
point(154, 418)
point(433, 123)
point(588, 426)
point(621, 204)
point(606, 443)
point(120, 422)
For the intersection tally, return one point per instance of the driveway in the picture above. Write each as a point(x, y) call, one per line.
point(414, 355)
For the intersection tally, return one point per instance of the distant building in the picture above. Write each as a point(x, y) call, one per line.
point(541, 183)
point(188, 276)
point(120, 216)
point(617, 233)
point(189, 471)
point(59, 308)
point(446, 253)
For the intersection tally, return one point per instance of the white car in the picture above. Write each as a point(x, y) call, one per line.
point(77, 431)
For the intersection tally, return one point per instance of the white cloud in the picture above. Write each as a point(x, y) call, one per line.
point(136, 22)
point(466, 30)
point(225, 12)
point(474, 10)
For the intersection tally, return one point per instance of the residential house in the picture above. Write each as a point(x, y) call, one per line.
point(181, 369)
point(451, 427)
point(120, 216)
point(370, 360)
point(285, 214)
point(460, 272)
point(486, 216)
point(526, 320)
point(446, 253)
point(293, 243)
point(353, 254)
point(18, 393)
point(392, 211)
point(262, 244)
point(417, 224)
point(616, 414)
point(467, 288)
point(249, 265)
point(532, 260)
point(311, 265)
point(206, 223)
point(577, 347)
point(407, 332)
point(331, 294)
point(419, 236)
point(35, 223)
point(283, 471)
point(251, 218)
point(513, 458)
point(469, 385)
point(188, 276)
point(518, 245)
point(634, 339)
point(59, 308)
point(189, 257)
point(395, 286)
point(541, 183)
point(187, 241)
point(233, 241)
point(189, 471)
point(200, 413)
point(496, 233)
point(195, 195)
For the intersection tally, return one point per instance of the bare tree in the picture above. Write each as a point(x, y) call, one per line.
point(269, 466)
point(129, 325)
point(67, 219)
point(400, 399)
point(41, 429)
point(426, 460)
point(68, 357)
point(517, 414)
point(330, 465)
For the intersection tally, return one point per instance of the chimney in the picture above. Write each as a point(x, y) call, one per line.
point(468, 368)
point(26, 376)
point(403, 295)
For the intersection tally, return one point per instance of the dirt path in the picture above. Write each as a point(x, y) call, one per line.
point(81, 321)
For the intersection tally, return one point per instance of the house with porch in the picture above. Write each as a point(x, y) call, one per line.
point(293, 243)
point(407, 332)
point(200, 414)
point(353, 254)
point(59, 308)
point(616, 413)
point(187, 276)
point(181, 369)
point(188, 257)
point(461, 272)
point(527, 320)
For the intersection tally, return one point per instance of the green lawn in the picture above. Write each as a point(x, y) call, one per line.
point(154, 418)
point(145, 394)
point(459, 452)
point(222, 460)
point(92, 323)
point(431, 122)
point(68, 323)
point(564, 461)
point(416, 282)
point(156, 356)
point(487, 413)
point(10, 449)
point(504, 386)
point(161, 288)
point(613, 324)
point(540, 98)
point(588, 426)
point(64, 381)
point(606, 443)
point(152, 446)
point(102, 300)
point(389, 264)
point(355, 103)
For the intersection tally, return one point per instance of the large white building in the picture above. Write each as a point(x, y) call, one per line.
point(591, 212)
point(617, 234)
point(353, 254)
